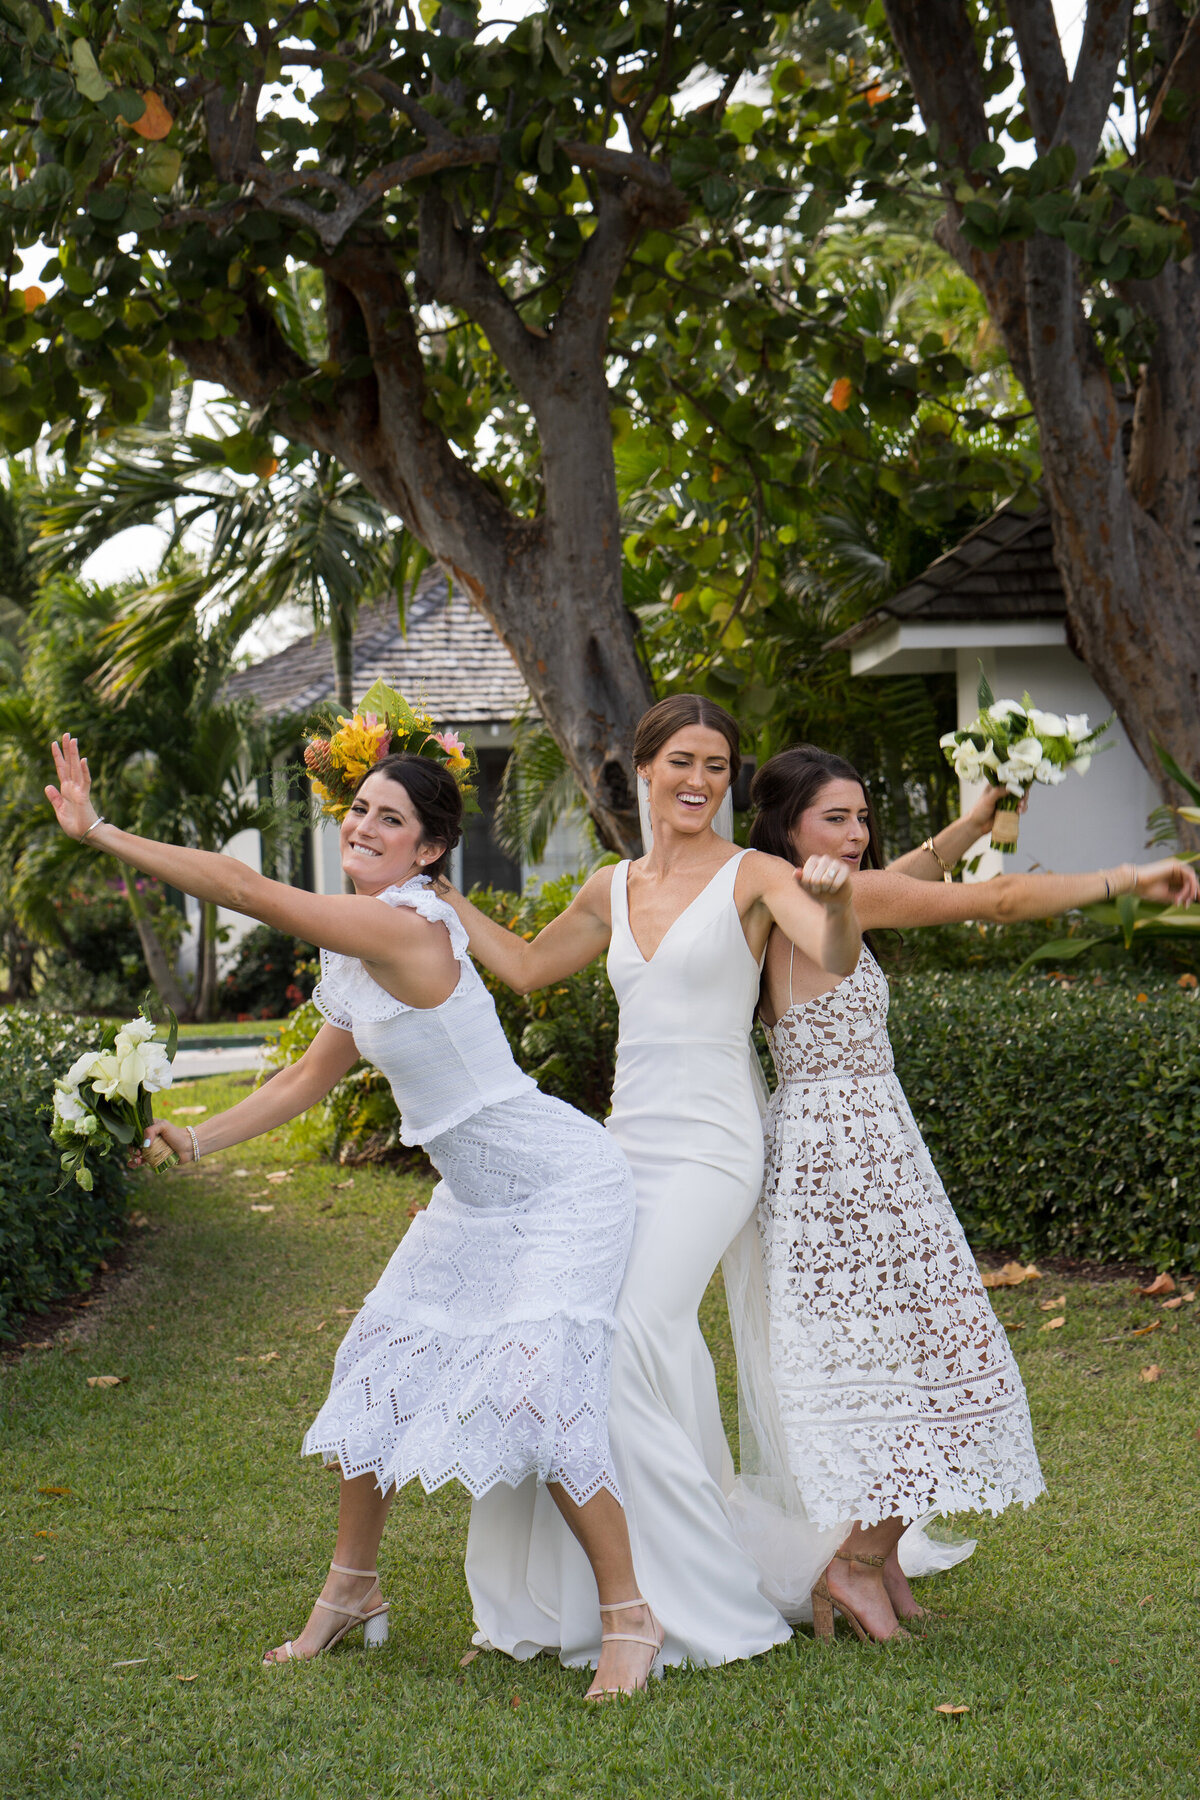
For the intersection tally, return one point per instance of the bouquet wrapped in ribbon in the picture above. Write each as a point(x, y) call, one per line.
point(384, 725)
point(1012, 744)
point(103, 1102)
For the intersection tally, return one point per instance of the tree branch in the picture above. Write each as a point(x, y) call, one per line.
point(1042, 64)
point(1090, 98)
point(937, 43)
point(1172, 146)
point(451, 268)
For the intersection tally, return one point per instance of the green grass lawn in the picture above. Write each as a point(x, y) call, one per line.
point(230, 1028)
point(191, 1535)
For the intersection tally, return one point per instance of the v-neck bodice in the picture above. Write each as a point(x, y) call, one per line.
point(683, 1060)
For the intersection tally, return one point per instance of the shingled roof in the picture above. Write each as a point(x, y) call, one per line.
point(1004, 569)
point(449, 658)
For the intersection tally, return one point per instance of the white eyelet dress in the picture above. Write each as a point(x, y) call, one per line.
point(898, 1393)
point(484, 1353)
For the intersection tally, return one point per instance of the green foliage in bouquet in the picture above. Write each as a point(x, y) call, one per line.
point(1063, 1121)
point(104, 1103)
point(52, 1233)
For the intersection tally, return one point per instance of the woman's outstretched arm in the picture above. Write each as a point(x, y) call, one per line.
point(813, 906)
point(954, 840)
point(352, 925)
point(570, 942)
point(883, 897)
point(331, 1055)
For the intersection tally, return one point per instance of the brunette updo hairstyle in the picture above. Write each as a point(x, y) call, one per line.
point(676, 713)
point(435, 799)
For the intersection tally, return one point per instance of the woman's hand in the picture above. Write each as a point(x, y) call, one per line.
point(71, 799)
point(983, 814)
point(174, 1135)
point(1170, 882)
point(827, 880)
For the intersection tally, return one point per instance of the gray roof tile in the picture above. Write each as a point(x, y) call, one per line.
point(449, 658)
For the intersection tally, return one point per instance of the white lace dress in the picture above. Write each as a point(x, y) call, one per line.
point(897, 1390)
point(484, 1353)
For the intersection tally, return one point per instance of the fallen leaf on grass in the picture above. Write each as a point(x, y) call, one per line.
point(1173, 1327)
point(1151, 1372)
point(345, 1312)
point(237, 1174)
point(344, 1184)
point(261, 1208)
point(1049, 1305)
point(319, 1327)
point(1013, 1324)
point(1188, 1298)
point(1011, 1275)
point(1053, 1324)
point(42, 1344)
point(39, 1558)
point(130, 1662)
point(515, 1701)
point(195, 1111)
point(271, 1356)
point(1162, 1284)
point(139, 1221)
point(53, 1490)
point(1173, 1305)
point(106, 1381)
point(45, 1534)
point(1142, 1331)
point(464, 1661)
point(187, 1678)
point(1146, 1600)
point(952, 1710)
point(280, 1175)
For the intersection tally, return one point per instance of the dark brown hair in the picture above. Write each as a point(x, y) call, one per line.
point(435, 798)
point(676, 713)
point(785, 787)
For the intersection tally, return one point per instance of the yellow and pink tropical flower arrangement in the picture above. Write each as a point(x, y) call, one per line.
point(383, 725)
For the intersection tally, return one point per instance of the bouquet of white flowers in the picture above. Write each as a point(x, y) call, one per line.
point(103, 1102)
point(1012, 744)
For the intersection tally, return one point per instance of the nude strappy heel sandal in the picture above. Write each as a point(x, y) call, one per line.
point(825, 1606)
point(654, 1643)
point(374, 1623)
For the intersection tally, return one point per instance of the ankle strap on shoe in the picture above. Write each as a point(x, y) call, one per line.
point(622, 1605)
point(341, 1569)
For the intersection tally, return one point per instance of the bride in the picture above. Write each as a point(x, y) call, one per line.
point(685, 927)
point(483, 1353)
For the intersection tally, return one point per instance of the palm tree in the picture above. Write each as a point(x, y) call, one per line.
point(265, 533)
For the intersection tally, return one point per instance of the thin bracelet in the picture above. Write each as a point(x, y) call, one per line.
point(191, 1131)
point(945, 867)
point(100, 821)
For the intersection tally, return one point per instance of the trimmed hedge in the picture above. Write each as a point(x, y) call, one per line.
point(1062, 1120)
point(52, 1234)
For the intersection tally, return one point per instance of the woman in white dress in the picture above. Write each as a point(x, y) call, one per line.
point(685, 927)
point(897, 1392)
point(484, 1352)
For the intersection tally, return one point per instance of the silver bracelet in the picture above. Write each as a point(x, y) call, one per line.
point(191, 1131)
point(100, 821)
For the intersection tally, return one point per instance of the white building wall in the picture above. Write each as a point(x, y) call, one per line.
point(1090, 821)
point(245, 847)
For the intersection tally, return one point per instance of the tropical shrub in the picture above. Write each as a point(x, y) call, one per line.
point(271, 974)
point(52, 1234)
point(95, 964)
point(1062, 1119)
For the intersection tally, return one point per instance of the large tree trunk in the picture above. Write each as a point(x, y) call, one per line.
point(166, 982)
point(551, 586)
point(1123, 494)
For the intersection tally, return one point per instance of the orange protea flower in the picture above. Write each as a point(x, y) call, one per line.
point(318, 758)
point(358, 744)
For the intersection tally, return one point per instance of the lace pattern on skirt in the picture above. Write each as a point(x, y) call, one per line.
point(898, 1391)
point(484, 1354)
